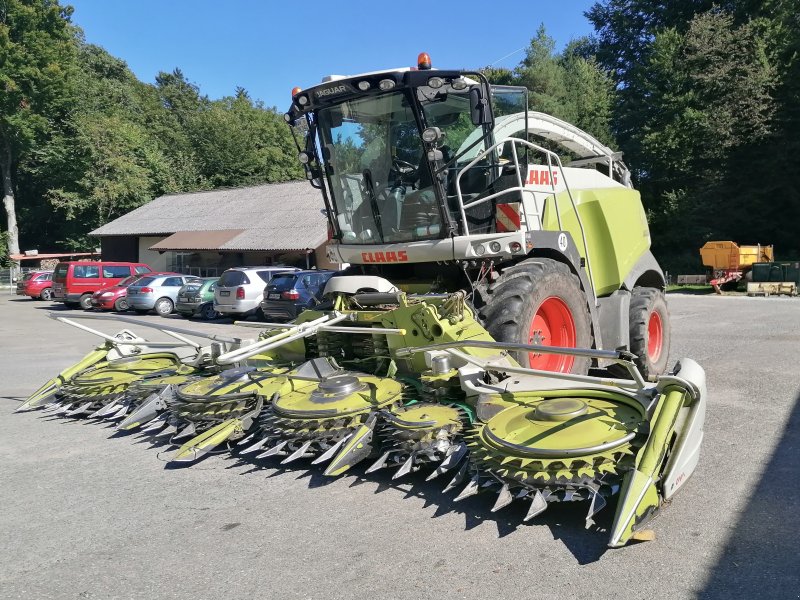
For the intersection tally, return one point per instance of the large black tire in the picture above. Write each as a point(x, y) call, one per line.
point(86, 301)
point(649, 331)
point(540, 286)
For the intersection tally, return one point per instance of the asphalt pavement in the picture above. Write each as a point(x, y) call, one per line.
point(85, 514)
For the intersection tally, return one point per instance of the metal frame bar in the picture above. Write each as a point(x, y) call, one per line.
point(550, 166)
point(295, 333)
point(163, 328)
point(333, 328)
point(615, 356)
point(118, 342)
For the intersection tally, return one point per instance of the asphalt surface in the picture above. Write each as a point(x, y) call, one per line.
point(89, 516)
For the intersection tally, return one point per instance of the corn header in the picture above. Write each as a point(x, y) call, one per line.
point(389, 380)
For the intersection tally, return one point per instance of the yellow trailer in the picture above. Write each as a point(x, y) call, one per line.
point(730, 256)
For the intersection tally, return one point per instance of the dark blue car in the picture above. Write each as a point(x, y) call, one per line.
point(289, 294)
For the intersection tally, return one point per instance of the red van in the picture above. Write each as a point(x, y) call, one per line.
point(75, 282)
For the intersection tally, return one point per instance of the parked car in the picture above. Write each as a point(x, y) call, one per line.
point(36, 284)
point(240, 290)
point(75, 282)
point(158, 293)
point(116, 296)
point(289, 294)
point(196, 299)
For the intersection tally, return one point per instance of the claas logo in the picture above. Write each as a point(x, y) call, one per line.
point(542, 177)
point(384, 257)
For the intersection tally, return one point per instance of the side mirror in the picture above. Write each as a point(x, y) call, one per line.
point(480, 109)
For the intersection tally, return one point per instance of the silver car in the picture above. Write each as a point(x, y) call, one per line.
point(240, 290)
point(157, 293)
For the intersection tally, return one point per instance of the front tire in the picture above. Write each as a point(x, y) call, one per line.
point(164, 307)
point(540, 301)
point(121, 305)
point(649, 331)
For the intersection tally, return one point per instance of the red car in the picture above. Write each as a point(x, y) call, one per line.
point(36, 284)
point(116, 296)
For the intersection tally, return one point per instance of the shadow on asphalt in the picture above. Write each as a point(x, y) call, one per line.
point(761, 559)
point(565, 521)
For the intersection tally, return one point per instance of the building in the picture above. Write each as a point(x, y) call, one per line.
point(207, 232)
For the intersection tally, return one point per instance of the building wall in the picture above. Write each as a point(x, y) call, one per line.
point(157, 261)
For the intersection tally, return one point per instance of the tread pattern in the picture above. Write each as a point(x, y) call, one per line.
point(508, 303)
point(643, 301)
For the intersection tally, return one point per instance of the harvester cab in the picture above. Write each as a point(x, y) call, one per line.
point(439, 181)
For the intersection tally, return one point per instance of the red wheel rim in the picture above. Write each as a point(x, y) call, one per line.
point(552, 325)
point(655, 337)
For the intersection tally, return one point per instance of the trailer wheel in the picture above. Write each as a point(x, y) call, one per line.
point(649, 331)
point(540, 301)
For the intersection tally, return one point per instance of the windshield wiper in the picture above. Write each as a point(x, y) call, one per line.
point(373, 201)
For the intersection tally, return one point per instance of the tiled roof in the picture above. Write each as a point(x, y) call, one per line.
point(276, 216)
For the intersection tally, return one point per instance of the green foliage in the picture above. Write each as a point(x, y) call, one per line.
point(570, 85)
point(91, 142)
point(239, 142)
point(703, 99)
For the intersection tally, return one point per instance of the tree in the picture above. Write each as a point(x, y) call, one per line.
point(239, 142)
point(37, 63)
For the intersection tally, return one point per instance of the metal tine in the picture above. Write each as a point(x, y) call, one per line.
point(299, 453)
point(459, 477)
point(156, 424)
point(380, 463)
point(246, 439)
point(76, 411)
point(331, 452)
point(120, 413)
point(450, 461)
point(504, 498)
point(64, 408)
point(170, 429)
point(405, 469)
point(598, 504)
point(538, 506)
point(100, 412)
point(472, 488)
point(274, 450)
point(50, 406)
point(257, 446)
point(186, 432)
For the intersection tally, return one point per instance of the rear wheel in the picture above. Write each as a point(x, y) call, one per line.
point(208, 312)
point(46, 294)
point(540, 301)
point(86, 301)
point(121, 305)
point(649, 331)
point(164, 307)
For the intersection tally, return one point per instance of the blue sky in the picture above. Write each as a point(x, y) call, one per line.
point(270, 47)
